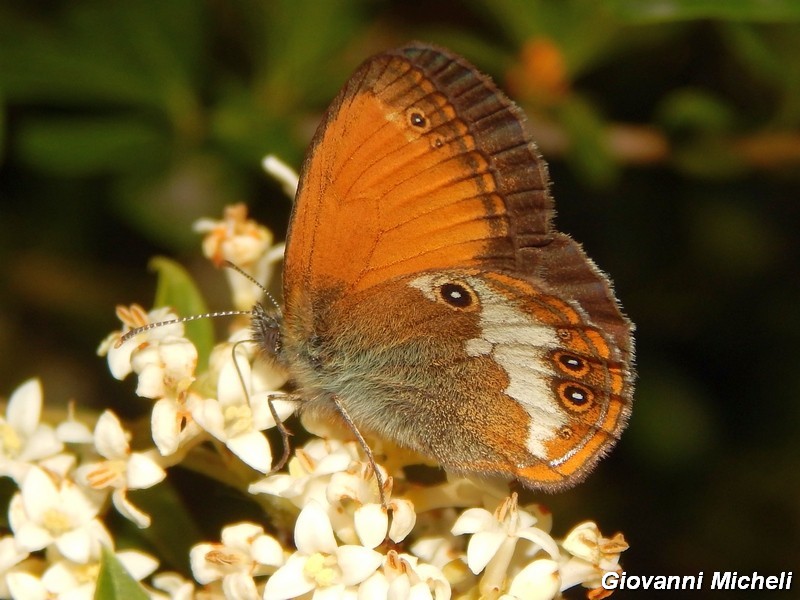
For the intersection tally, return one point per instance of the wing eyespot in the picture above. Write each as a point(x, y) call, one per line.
point(575, 397)
point(418, 120)
point(457, 295)
point(571, 364)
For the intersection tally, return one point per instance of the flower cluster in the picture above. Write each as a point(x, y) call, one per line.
point(327, 531)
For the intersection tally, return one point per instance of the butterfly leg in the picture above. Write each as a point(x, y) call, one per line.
point(364, 446)
point(282, 429)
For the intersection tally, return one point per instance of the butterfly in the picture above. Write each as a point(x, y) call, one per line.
point(428, 300)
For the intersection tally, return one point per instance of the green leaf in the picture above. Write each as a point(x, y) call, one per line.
point(172, 531)
point(675, 10)
point(130, 53)
point(177, 289)
point(83, 146)
point(292, 69)
point(694, 111)
point(114, 582)
point(589, 152)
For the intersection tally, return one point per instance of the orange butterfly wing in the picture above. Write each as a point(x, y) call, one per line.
point(428, 164)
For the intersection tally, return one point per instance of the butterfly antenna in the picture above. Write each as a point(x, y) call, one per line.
point(230, 265)
point(223, 313)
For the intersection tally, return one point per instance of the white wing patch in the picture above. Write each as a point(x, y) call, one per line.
point(519, 345)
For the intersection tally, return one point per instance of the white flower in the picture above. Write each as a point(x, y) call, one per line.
point(356, 513)
point(10, 556)
point(244, 243)
point(74, 581)
point(404, 577)
point(540, 580)
point(175, 586)
point(588, 555)
point(245, 552)
point(165, 362)
point(122, 470)
point(319, 563)
point(309, 472)
point(171, 421)
point(45, 513)
point(23, 439)
point(121, 356)
point(494, 540)
point(238, 415)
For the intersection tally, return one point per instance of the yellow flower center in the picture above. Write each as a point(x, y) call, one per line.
point(10, 442)
point(321, 568)
point(238, 419)
point(86, 573)
point(56, 522)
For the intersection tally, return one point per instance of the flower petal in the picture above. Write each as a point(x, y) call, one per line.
point(229, 384)
point(267, 551)
point(203, 570)
point(31, 537)
point(403, 519)
point(240, 535)
point(239, 586)
point(583, 541)
point(75, 545)
point(110, 438)
point(10, 553)
point(165, 426)
point(138, 564)
point(253, 448)
point(41, 444)
point(208, 414)
point(331, 592)
point(375, 586)
point(74, 432)
point(143, 472)
point(371, 524)
point(119, 359)
point(39, 493)
point(420, 591)
point(473, 520)
point(25, 407)
point(289, 581)
point(25, 585)
point(539, 537)
point(313, 531)
point(357, 563)
point(126, 508)
point(481, 548)
point(538, 581)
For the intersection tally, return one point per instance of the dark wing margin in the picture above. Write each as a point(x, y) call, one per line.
point(501, 133)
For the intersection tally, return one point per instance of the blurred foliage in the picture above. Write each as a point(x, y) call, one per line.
point(672, 128)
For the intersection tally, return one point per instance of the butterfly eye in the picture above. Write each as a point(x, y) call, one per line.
point(416, 118)
point(458, 295)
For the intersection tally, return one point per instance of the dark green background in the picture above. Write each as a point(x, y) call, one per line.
point(123, 122)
